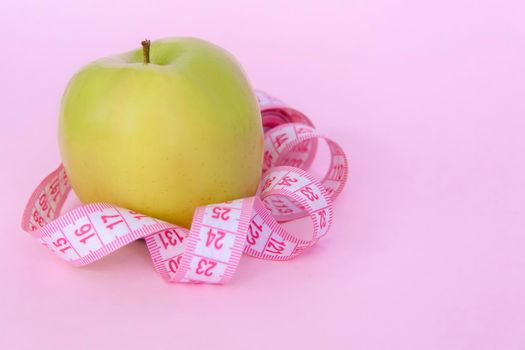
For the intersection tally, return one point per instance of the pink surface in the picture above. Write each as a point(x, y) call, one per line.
point(427, 248)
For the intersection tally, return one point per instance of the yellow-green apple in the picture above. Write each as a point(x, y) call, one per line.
point(162, 129)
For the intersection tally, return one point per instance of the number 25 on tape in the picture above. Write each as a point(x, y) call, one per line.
point(221, 213)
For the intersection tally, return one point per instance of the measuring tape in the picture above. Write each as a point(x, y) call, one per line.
point(220, 233)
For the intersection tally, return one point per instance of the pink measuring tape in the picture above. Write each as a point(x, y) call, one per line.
point(220, 233)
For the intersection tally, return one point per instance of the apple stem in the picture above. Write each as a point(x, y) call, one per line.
point(145, 49)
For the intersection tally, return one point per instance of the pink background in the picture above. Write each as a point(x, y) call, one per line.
point(428, 246)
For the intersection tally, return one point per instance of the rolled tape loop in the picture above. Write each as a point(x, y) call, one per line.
point(220, 233)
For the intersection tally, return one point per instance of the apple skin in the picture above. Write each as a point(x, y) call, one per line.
point(164, 137)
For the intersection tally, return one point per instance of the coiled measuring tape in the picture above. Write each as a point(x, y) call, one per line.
point(220, 233)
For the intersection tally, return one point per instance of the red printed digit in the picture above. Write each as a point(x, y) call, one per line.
point(280, 139)
point(274, 246)
point(137, 215)
point(254, 232)
point(309, 193)
point(54, 187)
point(281, 206)
point(84, 229)
point(107, 218)
point(217, 237)
point(268, 158)
point(55, 198)
point(224, 212)
point(298, 250)
point(205, 266)
point(63, 250)
point(322, 219)
point(341, 172)
point(61, 242)
point(337, 172)
point(172, 238)
point(43, 201)
point(284, 210)
point(38, 218)
point(220, 213)
point(164, 243)
point(175, 263)
point(268, 183)
point(302, 147)
point(287, 181)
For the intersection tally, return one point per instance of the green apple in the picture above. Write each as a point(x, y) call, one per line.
point(162, 130)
